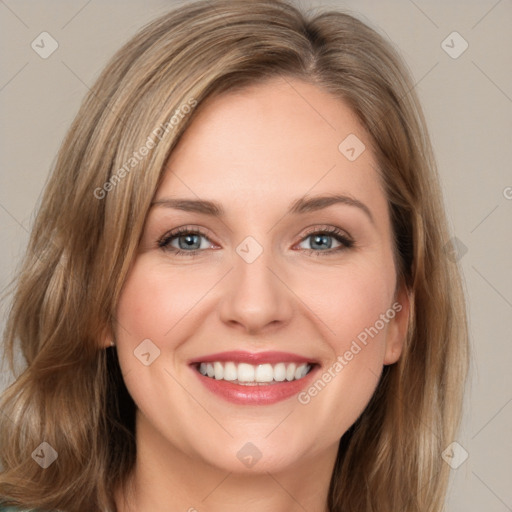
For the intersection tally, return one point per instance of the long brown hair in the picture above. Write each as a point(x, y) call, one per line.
point(71, 394)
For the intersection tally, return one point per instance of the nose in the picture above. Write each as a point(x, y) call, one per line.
point(256, 298)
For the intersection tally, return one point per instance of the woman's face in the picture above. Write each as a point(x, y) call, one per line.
point(267, 254)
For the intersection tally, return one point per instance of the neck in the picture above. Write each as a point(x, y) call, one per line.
point(165, 479)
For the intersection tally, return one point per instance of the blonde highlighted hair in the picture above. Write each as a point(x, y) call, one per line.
point(72, 394)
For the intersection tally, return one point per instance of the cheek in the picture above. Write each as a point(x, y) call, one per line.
point(162, 304)
point(154, 305)
point(358, 322)
point(155, 300)
point(355, 308)
point(351, 301)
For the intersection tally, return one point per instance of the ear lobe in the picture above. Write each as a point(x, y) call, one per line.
point(398, 326)
point(106, 338)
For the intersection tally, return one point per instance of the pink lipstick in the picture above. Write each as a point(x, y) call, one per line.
point(250, 378)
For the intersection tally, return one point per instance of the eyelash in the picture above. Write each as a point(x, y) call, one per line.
point(337, 234)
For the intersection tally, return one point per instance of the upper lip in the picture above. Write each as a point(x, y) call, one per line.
point(255, 358)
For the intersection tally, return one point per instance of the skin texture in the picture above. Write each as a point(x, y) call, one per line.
point(255, 152)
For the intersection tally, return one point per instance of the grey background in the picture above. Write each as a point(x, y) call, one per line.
point(468, 106)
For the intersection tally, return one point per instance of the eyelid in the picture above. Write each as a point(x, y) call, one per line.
point(173, 233)
point(327, 229)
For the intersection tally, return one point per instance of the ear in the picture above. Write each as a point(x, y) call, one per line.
point(106, 338)
point(398, 325)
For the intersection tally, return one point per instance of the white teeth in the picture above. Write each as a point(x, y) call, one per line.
point(279, 372)
point(264, 373)
point(219, 371)
point(290, 371)
point(230, 371)
point(300, 371)
point(245, 373)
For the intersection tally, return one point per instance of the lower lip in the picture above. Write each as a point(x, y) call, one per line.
point(262, 394)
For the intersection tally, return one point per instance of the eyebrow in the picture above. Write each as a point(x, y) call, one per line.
point(299, 206)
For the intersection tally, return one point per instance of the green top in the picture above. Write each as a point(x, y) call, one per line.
point(14, 509)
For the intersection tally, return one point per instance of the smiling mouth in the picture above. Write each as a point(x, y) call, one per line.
point(254, 375)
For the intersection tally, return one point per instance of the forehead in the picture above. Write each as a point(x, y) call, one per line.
point(273, 142)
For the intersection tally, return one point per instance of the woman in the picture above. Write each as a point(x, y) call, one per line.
point(236, 291)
